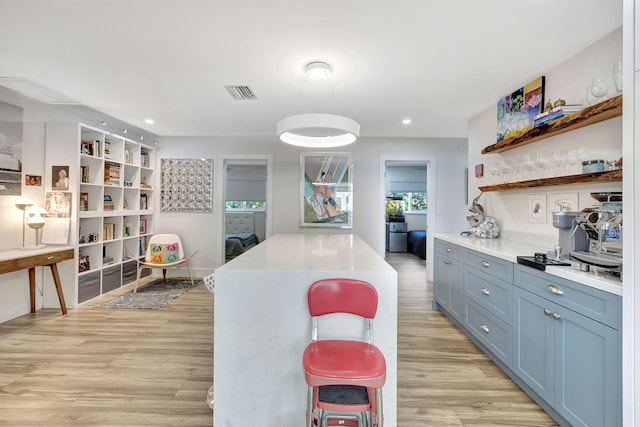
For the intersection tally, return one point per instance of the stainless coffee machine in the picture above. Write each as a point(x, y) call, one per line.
point(603, 228)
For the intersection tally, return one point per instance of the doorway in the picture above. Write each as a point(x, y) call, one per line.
point(246, 204)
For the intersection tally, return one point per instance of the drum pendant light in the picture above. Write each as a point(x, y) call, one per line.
point(318, 130)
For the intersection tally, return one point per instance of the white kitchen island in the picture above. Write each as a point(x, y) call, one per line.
point(262, 325)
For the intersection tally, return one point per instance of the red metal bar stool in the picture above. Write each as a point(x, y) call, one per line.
point(344, 377)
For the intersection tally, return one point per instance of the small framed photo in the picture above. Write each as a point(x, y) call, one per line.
point(33, 180)
point(538, 209)
point(479, 170)
point(143, 226)
point(84, 263)
point(60, 177)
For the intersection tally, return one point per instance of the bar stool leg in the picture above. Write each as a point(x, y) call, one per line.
point(310, 406)
point(379, 420)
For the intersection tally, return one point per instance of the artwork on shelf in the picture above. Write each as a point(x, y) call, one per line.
point(186, 185)
point(143, 226)
point(516, 111)
point(538, 209)
point(59, 177)
point(562, 202)
point(84, 263)
point(326, 198)
point(58, 204)
point(83, 202)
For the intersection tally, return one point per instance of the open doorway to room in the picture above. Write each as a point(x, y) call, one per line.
point(406, 207)
point(246, 204)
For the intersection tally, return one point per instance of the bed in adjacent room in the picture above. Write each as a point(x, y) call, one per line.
point(417, 243)
point(239, 233)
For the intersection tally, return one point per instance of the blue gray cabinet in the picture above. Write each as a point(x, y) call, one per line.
point(448, 289)
point(558, 339)
point(569, 359)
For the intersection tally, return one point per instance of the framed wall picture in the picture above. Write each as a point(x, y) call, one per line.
point(538, 209)
point(326, 194)
point(60, 177)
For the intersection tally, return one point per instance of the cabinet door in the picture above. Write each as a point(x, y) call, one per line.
point(534, 341)
point(448, 285)
point(588, 370)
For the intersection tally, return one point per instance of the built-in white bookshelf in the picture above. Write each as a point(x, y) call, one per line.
point(112, 202)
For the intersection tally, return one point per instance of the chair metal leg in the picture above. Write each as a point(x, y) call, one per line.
point(379, 417)
point(310, 406)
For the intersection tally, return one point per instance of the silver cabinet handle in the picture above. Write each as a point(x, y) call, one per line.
point(446, 261)
point(556, 316)
point(449, 249)
point(485, 263)
point(484, 328)
point(555, 290)
point(547, 312)
point(484, 291)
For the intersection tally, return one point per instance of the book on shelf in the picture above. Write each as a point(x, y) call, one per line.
point(108, 204)
point(84, 173)
point(548, 118)
point(90, 147)
point(144, 158)
point(144, 202)
point(84, 202)
point(128, 156)
point(111, 173)
point(108, 231)
point(107, 149)
point(107, 260)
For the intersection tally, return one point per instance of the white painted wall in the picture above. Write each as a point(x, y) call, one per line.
point(569, 81)
point(201, 231)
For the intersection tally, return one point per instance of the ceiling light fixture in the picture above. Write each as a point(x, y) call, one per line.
point(406, 121)
point(148, 121)
point(318, 130)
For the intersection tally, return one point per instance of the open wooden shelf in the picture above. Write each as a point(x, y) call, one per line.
point(585, 178)
point(602, 111)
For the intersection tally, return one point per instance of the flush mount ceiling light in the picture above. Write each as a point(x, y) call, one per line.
point(318, 130)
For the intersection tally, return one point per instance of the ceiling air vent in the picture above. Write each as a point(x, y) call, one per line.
point(241, 93)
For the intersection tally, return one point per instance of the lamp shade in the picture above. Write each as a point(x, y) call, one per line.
point(23, 203)
point(318, 130)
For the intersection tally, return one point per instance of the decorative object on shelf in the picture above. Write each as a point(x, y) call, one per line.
point(84, 263)
point(590, 115)
point(598, 88)
point(143, 226)
point(36, 222)
point(23, 204)
point(516, 111)
point(617, 76)
point(186, 185)
point(318, 130)
point(538, 209)
point(480, 224)
point(326, 190)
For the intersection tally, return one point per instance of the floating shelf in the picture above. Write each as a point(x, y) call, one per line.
point(600, 112)
point(585, 178)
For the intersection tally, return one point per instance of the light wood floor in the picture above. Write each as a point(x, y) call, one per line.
point(99, 367)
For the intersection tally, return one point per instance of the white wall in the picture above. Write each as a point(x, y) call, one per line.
point(202, 232)
point(569, 81)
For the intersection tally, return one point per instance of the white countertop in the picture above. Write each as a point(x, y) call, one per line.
point(509, 250)
point(310, 252)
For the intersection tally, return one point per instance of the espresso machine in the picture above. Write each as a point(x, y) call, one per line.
point(603, 228)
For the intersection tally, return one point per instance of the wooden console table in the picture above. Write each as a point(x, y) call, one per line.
point(16, 259)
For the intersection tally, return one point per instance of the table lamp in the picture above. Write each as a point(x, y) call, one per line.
point(36, 221)
point(23, 204)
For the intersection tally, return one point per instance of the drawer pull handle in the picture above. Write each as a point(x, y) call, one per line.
point(449, 249)
point(485, 263)
point(555, 290)
point(484, 291)
point(51, 257)
point(484, 328)
point(547, 312)
point(446, 261)
point(556, 316)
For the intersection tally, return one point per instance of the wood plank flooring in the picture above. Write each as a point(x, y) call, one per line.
point(100, 367)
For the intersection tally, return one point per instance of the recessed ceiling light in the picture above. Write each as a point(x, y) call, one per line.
point(148, 121)
point(318, 70)
point(406, 121)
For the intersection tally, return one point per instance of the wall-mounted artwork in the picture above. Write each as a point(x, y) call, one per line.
point(186, 185)
point(59, 177)
point(326, 190)
point(516, 111)
point(10, 150)
point(538, 209)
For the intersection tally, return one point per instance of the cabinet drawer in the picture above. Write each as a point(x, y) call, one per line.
point(497, 267)
point(453, 251)
point(489, 292)
point(495, 334)
point(598, 305)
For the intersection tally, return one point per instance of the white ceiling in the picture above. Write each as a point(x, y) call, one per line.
point(437, 62)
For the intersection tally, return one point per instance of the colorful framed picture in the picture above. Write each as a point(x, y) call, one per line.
point(33, 180)
point(326, 195)
point(538, 209)
point(84, 263)
point(516, 112)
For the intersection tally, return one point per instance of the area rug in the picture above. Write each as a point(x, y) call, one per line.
point(153, 295)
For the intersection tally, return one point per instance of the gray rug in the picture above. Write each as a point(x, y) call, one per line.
point(153, 295)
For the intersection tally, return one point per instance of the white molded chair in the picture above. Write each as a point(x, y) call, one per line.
point(162, 242)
